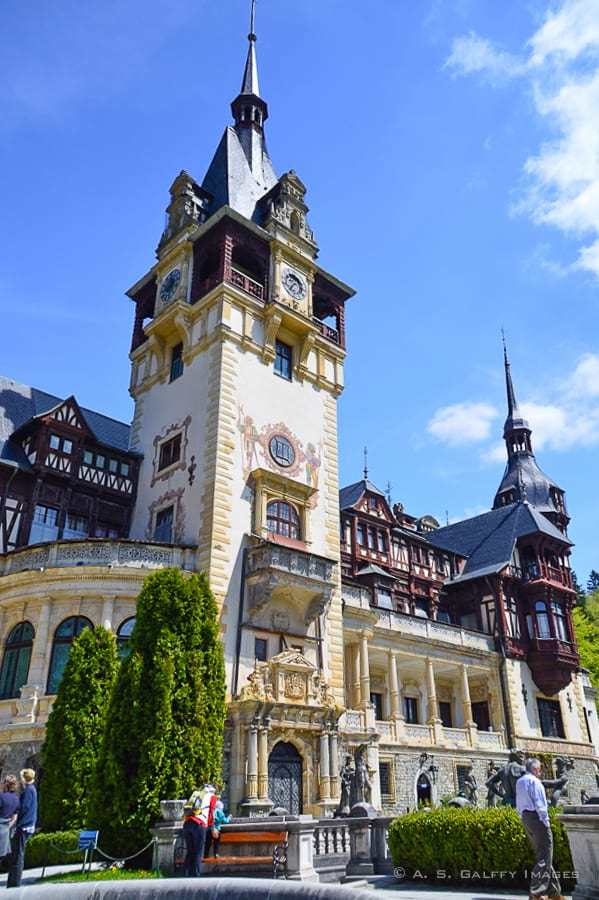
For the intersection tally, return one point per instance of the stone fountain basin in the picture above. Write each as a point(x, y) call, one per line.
point(205, 888)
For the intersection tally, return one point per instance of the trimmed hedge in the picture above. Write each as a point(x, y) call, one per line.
point(471, 845)
point(48, 849)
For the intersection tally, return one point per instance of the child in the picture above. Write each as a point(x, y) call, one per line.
point(213, 835)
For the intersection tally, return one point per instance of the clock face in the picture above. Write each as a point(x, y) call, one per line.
point(169, 285)
point(294, 284)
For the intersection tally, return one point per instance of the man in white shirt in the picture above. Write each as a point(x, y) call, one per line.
point(531, 803)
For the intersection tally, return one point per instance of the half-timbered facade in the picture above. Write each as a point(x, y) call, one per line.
point(344, 620)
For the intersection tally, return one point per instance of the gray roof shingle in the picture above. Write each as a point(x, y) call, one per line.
point(348, 496)
point(487, 541)
point(19, 403)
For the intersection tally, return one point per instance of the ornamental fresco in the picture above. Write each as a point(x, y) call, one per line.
point(301, 463)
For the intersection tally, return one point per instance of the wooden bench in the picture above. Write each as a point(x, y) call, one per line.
point(277, 859)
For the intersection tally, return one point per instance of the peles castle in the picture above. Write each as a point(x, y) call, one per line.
point(345, 622)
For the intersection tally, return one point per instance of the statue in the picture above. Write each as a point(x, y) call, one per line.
point(495, 792)
point(471, 787)
point(559, 784)
point(346, 777)
point(362, 786)
point(503, 782)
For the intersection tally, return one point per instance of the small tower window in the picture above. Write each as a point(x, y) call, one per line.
point(163, 530)
point(176, 362)
point(294, 222)
point(282, 519)
point(283, 360)
point(170, 452)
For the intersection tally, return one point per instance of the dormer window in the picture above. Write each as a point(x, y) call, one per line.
point(372, 504)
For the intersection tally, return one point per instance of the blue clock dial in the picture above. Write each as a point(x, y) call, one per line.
point(169, 285)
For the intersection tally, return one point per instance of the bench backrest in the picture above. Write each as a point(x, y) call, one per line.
point(253, 837)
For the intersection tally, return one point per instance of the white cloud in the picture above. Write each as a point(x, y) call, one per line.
point(462, 423)
point(560, 65)
point(568, 420)
point(472, 53)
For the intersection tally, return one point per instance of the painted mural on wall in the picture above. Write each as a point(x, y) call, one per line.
point(276, 447)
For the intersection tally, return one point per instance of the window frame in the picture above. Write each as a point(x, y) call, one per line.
point(16, 647)
point(80, 624)
point(550, 714)
point(283, 362)
point(294, 520)
point(411, 710)
point(263, 647)
point(166, 459)
point(177, 366)
point(162, 512)
point(123, 640)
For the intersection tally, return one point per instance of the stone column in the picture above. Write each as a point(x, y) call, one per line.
point(355, 674)
point(251, 781)
point(466, 705)
point(364, 672)
point(325, 772)
point(433, 709)
point(393, 686)
point(107, 612)
point(39, 656)
point(334, 764)
point(263, 760)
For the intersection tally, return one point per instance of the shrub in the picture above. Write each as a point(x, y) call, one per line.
point(453, 841)
point(49, 848)
point(75, 727)
point(164, 726)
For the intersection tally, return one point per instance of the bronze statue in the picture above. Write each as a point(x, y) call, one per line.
point(362, 786)
point(559, 784)
point(503, 782)
point(471, 787)
point(346, 777)
point(495, 792)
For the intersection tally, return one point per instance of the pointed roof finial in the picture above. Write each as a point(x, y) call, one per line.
point(365, 463)
point(249, 83)
point(512, 403)
point(388, 492)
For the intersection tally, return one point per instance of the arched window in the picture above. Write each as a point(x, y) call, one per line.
point(543, 629)
point(64, 636)
point(282, 518)
point(295, 222)
point(15, 665)
point(123, 637)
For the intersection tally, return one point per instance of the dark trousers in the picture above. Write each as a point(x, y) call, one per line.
point(211, 842)
point(17, 858)
point(195, 839)
point(543, 879)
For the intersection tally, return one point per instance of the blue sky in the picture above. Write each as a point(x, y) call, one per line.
point(451, 155)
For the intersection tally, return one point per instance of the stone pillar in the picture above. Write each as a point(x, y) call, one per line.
point(355, 674)
point(39, 656)
point(394, 685)
point(364, 672)
point(251, 781)
point(263, 760)
point(466, 704)
point(433, 709)
point(334, 764)
point(107, 612)
point(325, 773)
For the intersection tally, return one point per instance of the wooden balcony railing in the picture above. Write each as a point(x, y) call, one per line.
point(536, 570)
point(331, 334)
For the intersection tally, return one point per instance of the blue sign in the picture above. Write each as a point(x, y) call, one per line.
point(88, 840)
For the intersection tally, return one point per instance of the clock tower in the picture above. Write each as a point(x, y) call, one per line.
point(236, 366)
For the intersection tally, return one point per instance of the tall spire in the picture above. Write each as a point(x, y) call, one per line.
point(512, 403)
point(249, 82)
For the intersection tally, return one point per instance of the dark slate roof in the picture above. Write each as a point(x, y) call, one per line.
point(523, 475)
point(20, 403)
point(487, 541)
point(348, 496)
point(239, 174)
point(373, 570)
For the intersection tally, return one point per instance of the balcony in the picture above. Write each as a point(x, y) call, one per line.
point(234, 277)
point(297, 577)
point(421, 735)
point(330, 334)
point(97, 552)
point(542, 571)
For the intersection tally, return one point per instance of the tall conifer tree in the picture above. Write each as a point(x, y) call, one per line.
point(164, 728)
point(75, 728)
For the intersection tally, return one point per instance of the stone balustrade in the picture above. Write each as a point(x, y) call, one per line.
point(97, 552)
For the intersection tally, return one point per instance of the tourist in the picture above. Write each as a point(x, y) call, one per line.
point(24, 827)
point(531, 803)
point(213, 834)
point(9, 807)
point(199, 817)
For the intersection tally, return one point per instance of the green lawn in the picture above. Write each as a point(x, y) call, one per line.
point(104, 875)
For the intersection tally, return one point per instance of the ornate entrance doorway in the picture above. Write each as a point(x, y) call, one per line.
point(285, 778)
